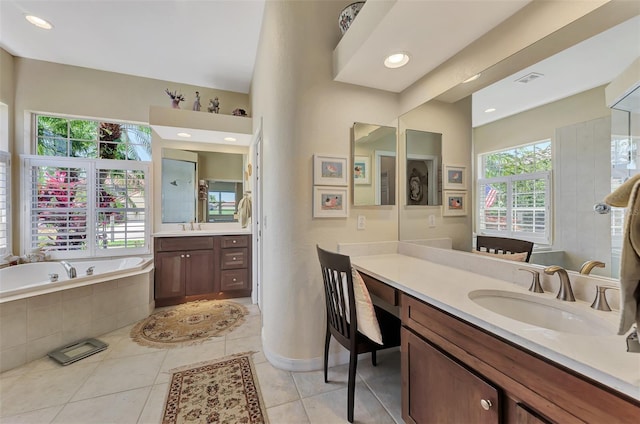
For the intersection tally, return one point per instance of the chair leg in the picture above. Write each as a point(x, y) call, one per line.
point(374, 360)
point(351, 389)
point(327, 341)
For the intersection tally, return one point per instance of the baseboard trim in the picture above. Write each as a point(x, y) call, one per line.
point(336, 357)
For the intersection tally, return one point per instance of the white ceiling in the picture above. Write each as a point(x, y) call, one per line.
point(430, 31)
point(204, 43)
point(213, 44)
point(589, 64)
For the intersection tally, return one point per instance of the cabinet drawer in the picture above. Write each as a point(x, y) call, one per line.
point(165, 244)
point(234, 241)
point(234, 258)
point(380, 289)
point(236, 279)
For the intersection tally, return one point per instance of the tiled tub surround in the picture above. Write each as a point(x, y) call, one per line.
point(35, 324)
point(444, 279)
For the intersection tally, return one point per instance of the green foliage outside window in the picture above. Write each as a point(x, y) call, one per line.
point(520, 160)
point(67, 137)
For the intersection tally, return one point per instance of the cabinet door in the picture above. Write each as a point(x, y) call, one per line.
point(169, 274)
point(436, 389)
point(199, 272)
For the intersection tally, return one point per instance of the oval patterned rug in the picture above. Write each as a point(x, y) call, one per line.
point(189, 323)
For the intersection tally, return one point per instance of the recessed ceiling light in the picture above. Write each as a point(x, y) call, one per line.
point(396, 60)
point(39, 22)
point(184, 134)
point(491, 109)
point(229, 139)
point(473, 78)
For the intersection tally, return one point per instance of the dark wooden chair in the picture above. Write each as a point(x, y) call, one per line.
point(502, 245)
point(335, 267)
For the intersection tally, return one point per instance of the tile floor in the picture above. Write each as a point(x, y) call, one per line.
point(127, 383)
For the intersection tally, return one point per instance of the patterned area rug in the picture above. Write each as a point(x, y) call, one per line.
point(222, 391)
point(189, 323)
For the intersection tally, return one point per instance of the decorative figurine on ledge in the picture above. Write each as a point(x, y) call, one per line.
point(196, 104)
point(214, 106)
point(239, 112)
point(175, 98)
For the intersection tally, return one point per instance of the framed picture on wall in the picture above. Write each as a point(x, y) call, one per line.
point(330, 202)
point(361, 170)
point(455, 203)
point(330, 170)
point(455, 177)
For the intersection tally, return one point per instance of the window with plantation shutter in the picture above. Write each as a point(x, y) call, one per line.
point(514, 193)
point(86, 207)
point(5, 214)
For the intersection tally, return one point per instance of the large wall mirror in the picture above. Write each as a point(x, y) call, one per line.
point(201, 186)
point(424, 168)
point(374, 165)
point(594, 149)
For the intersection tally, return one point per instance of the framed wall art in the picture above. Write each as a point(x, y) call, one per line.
point(455, 203)
point(361, 170)
point(330, 202)
point(455, 177)
point(330, 170)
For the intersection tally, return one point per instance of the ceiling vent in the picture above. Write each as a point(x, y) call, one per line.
point(529, 77)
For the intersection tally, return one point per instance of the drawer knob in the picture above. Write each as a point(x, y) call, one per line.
point(234, 280)
point(188, 256)
point(234, 241)
point(182, 256)
point(486, 404)
point(234, 258)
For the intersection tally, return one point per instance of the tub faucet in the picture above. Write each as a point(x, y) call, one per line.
point(565, 292)
point(71, 271)
point(589, 265)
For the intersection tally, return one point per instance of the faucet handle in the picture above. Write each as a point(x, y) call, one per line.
point(53, 277)
point(90, 270)
point(600, 302)
point(535, 286)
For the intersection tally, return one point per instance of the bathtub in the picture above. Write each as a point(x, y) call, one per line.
point(38, 315)
point(33, 278)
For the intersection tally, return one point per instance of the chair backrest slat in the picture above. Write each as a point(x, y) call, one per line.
point(337, 277)
point(502, 245)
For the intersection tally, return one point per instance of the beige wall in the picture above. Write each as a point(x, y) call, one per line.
point(540, 123)
point(220, 166)
point(305, 112)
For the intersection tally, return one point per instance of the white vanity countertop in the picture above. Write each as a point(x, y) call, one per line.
point(205, 232)
point(601, 358)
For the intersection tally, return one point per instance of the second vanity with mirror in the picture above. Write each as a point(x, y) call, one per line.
point(201, 251)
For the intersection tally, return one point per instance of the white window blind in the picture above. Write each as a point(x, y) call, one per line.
point(516, 206)
point(86, 207)
point(5, 213)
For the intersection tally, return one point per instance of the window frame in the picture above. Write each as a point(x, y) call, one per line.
point(91, 166)
point(5, 158)
point(545, 238)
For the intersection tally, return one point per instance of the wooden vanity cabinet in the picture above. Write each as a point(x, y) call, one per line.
point(530, 388)
point(184, 267)
point(235, 263)
point(454, 371)
point(201, 267)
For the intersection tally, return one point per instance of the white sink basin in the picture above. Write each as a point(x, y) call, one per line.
point(552, 314)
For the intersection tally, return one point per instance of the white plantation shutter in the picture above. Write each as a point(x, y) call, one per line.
point(516, 206)
point(120, 208)
point(4, 203)
point(86, 207)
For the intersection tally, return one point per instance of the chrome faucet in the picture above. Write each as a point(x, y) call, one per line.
point(71, 271)
point(589, 265)
point(565, 292)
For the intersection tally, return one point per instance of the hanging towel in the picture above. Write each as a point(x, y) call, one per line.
point(630, 256)
point(244, 210)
